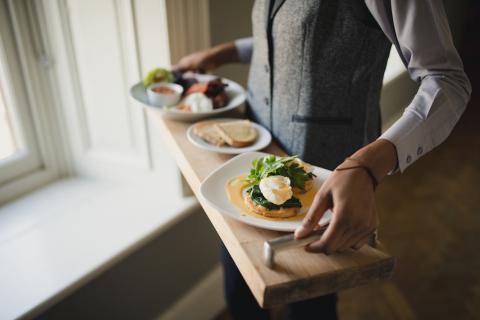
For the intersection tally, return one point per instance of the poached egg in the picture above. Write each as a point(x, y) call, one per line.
point(276, 189)
point(198, 102)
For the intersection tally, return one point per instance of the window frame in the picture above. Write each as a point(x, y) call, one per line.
point(23, 50)
point(27, 158)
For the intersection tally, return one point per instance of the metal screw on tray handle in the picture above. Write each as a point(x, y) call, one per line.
point(271, 247)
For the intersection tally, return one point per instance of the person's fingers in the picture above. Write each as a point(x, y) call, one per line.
point(362, 231)
point(185, 64)
point(320, 204)
point(360, 243)
point(334, 235)
point(348, 235)
point(183, 67)
point(329, 240)
point(358, 233)
point(354, 239)
point(176, 68)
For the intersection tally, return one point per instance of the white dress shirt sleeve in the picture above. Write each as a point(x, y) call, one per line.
point(426, 43)
point(244, 49)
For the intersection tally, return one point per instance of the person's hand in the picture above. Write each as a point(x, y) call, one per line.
point(350, 195)
point(208, 59)
point(198, 62)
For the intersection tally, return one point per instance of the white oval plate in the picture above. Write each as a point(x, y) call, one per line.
point(234, 91)
point(213, 191)
point(263, 139)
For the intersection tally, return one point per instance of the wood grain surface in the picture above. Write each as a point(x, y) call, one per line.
point(297, 274)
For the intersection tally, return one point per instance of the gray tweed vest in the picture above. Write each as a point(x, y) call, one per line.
point(315, 78)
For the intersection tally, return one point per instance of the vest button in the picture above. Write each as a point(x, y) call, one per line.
point(267, 101)
point(267, 68)
point(409, 159)
point(419, 151)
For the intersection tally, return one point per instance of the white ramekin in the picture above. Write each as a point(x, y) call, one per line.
point(164, 100)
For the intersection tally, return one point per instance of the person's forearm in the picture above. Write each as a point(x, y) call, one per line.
point(380, 156)
point(208, 59)
point(223, 54)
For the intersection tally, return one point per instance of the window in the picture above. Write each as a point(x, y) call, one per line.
point(19, 150)
point(8, 141)
point(26, 140)
point(65, 70)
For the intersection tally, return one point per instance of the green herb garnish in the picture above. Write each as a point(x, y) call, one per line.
point(279, 166)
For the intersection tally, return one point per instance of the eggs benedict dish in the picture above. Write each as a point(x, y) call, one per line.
point(276, 187)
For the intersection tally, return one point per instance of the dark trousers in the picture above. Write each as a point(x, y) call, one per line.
point(243, 305)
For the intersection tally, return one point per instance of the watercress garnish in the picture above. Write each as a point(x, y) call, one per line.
point(279, 166)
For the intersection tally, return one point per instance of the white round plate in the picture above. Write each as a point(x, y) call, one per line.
point(234, 91)
point(263, 139)
point(213, 191)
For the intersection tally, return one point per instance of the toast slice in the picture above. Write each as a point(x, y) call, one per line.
point(238, 133)
point(208, 132)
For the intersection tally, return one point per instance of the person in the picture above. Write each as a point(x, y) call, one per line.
point(316, 70)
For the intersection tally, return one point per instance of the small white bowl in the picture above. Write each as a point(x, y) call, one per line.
point(164, 100)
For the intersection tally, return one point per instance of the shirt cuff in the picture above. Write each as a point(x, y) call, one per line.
point(244, 49)
point(410, 138)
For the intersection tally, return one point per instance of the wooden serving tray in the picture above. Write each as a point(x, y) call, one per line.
point(297, 275)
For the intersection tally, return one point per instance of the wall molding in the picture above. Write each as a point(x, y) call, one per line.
point(204, 301)
point(67, 72)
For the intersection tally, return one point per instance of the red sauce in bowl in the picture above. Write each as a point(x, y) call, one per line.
point(163, 90)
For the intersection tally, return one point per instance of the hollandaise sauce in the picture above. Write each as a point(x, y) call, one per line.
point(236, 190)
